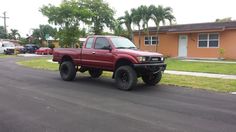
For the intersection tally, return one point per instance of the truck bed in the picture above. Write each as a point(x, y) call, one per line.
point(74, 53)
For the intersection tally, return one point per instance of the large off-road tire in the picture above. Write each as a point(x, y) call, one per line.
point(125, 78)
point(152, 79)
point(95, 73)
point(67, 71)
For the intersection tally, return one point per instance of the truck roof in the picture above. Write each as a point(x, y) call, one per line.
point(106, 36)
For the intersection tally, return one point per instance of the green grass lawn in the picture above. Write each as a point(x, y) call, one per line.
point(178, 65)
point(6, 56)
point(39, 63)
point(213, 84)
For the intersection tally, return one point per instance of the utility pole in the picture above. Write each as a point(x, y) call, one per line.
point(5, 21)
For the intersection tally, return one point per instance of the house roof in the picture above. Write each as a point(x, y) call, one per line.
point(197, 27)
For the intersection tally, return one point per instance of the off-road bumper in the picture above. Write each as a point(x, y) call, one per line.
point(150, 67)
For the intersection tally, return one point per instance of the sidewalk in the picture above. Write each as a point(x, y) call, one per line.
point(199, 74)
point(29, 55)
point(212, 61)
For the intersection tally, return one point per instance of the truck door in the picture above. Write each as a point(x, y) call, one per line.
point(102, 54)
point(87, 53)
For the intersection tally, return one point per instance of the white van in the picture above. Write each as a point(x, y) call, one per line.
point(7, 47)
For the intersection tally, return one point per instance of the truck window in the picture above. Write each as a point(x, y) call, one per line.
point(89, 43)
point(101, 43)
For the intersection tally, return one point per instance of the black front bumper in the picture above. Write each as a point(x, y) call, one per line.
point(9, 51)
point(145, 68)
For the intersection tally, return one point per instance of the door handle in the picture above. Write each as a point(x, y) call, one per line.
point(93, 52)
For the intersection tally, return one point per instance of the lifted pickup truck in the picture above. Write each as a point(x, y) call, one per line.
point(111, 53)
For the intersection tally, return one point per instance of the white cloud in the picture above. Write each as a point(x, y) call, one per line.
point(24, 14)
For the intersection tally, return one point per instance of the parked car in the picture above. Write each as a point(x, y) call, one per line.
point(31, 48)
point(20, 49)
point(7, 47)
point(44, 51)
point(111, 53)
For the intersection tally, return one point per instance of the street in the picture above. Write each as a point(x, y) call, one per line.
point(39, 101)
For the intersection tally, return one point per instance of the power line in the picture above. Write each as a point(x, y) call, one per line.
point(5, 21)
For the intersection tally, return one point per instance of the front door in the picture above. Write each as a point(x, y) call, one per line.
point(102, 56)
point(183, 41)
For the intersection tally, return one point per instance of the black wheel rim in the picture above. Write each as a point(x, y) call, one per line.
point(151, 77)
point(123, 79)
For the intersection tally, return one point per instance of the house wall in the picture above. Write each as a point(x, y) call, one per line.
point(168, 45)
point(228, 43)
point(196, 52)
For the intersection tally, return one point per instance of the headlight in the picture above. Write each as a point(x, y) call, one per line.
point(141, 59)
point(162, 58)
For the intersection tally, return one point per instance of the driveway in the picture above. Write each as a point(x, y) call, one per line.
point(39, 101)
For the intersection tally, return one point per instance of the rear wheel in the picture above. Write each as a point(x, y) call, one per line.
point(125, 77)
point(152, 79)
point(67, 71)
point(95, 73)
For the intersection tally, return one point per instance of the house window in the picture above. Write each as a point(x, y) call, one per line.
point(208, 40)
point(151, 40)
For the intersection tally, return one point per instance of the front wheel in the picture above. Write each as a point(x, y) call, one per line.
point(152, 79)
point(125, 77)
point(95, 73)
point(67, 71)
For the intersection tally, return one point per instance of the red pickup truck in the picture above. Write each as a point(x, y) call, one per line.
point(111, 53)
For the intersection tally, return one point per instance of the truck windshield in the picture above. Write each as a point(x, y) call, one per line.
point(122, 43)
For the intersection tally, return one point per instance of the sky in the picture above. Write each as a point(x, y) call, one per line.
point(24, 15)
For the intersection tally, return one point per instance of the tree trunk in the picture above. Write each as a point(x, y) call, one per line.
point(157, 38)
point(148, 34)
point(139, 36)
point(132, 36)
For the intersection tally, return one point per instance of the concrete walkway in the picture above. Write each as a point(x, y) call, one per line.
point(211, 61)
point(31, 55)
point(199, 74)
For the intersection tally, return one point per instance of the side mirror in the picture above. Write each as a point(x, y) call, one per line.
point(107, 47)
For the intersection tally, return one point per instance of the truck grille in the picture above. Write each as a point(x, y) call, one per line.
point(10, 51)
point(154, 59)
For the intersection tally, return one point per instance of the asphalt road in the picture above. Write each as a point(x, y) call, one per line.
point(39, 101)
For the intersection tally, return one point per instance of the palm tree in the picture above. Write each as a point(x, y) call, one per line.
point(145, 15)
point(14, 34)
point(119, 30)
point(136, 20)
point(161, 14)
point(127, 20)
